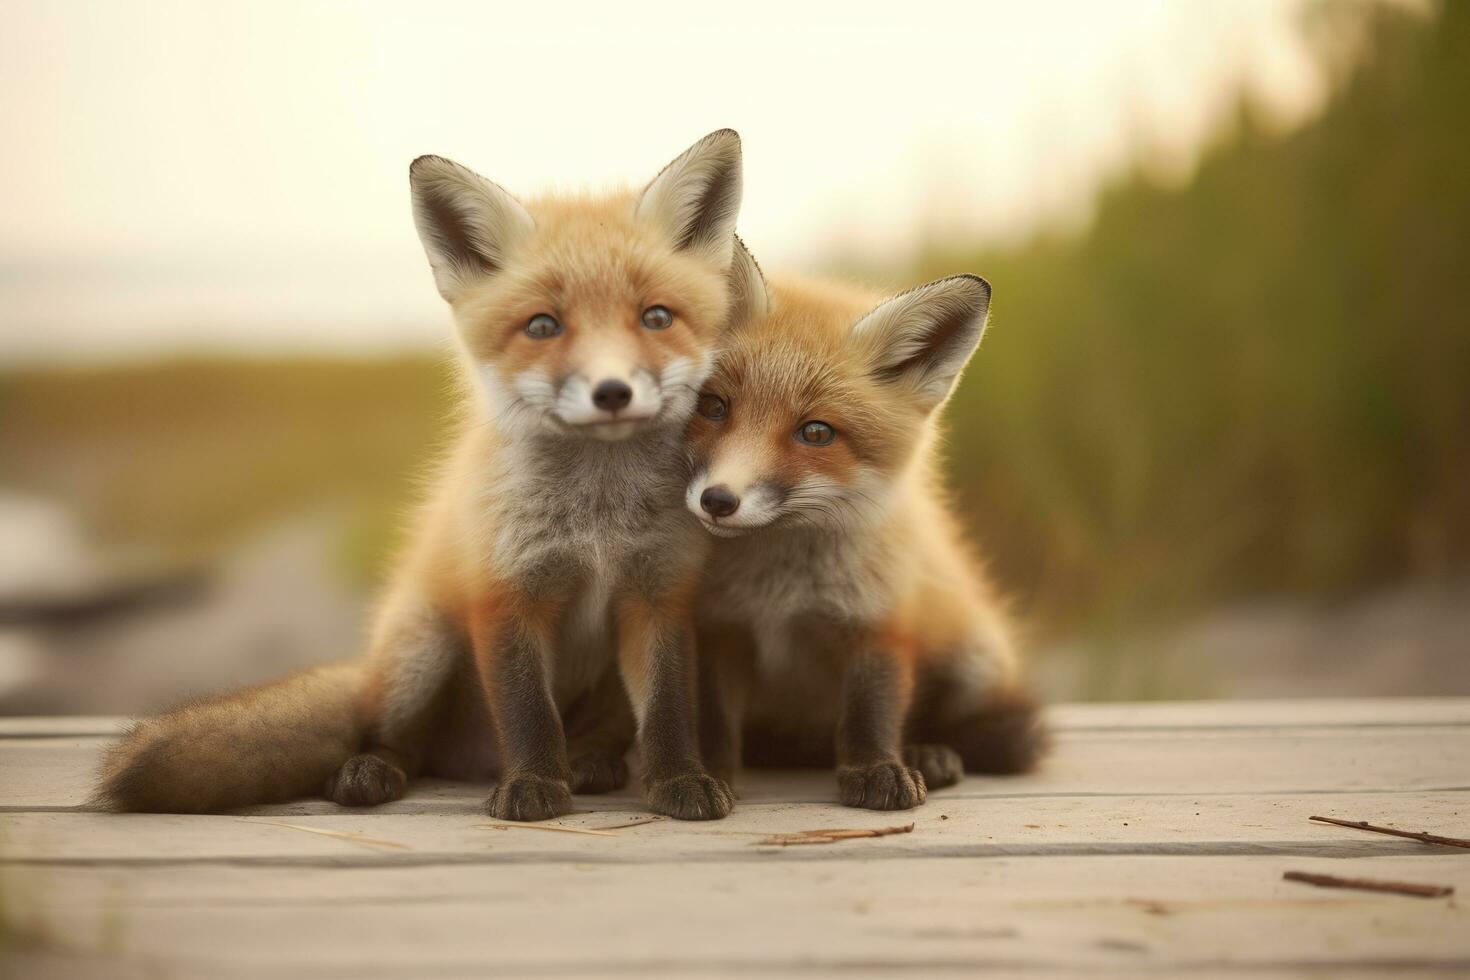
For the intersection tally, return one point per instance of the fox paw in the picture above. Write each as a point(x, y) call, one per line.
point(940, 764)
point(529, 798)
point(365, 780)
point(692, 796)
point(598, 773)
point(886, 786)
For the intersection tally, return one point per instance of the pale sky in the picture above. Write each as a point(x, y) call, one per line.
point(183, 176)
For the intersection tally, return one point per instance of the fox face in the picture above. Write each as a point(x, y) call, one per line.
point(586, 316)
point(816, 408)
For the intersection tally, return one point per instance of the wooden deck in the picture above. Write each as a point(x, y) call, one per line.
point(1154, 841)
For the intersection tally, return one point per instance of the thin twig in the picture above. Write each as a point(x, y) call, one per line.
point(1422, 836)
point(351, 836)
point(630, 823)
point(545, 826)
point(833, 835)
point(1370, 884)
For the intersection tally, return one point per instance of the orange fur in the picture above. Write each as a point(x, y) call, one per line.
point(517, 527)
point(912, 584)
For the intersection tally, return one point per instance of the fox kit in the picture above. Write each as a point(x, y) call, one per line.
point(554, 553)
point(840, 598)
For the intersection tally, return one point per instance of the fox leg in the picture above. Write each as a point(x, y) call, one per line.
point(940, 765)
point(512, 647)
point(724, 683)
point(414, 654)
point(656, 655)
point(876, 686)
point(599, 728)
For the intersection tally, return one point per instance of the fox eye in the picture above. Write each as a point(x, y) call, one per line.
point(542, 326)
point(658, 318)
point(816, 433)
point(711, 407)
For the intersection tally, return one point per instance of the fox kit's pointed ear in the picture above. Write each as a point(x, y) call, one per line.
point(749, 300)
point(695, 199)
point(468, 225)
point(921, 339)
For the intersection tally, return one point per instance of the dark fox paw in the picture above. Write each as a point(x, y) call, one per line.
point(692, 796)
point(365, 780)
point(598, 772)
point(529, 798)
point(886, 786)
point(940, 764)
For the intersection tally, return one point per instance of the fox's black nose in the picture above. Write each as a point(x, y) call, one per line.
point(611, 395)
point(719, 501)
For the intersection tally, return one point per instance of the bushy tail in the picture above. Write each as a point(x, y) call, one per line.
point(265, 744)
point(1004, 735)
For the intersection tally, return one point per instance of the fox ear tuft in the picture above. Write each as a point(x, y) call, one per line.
point(749, 299)
point(921, 339)
point(468, 225)
point(696, 198)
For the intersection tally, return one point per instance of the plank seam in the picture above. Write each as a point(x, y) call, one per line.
point(1296, 849)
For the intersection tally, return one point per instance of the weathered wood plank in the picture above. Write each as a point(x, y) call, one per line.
point(40, 773)
point(1153, 842)
point(1128, 914)
point(62, 726)
point(948, 826)
point(1284, 713)
point(48, 773)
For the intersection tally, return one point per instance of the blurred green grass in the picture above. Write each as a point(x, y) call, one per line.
point(1255, 383)
point(188, 457)
point(1258, 382)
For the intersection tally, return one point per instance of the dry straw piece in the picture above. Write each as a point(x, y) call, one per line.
point(351, 836)
point(832, 835)
point(1370, 884)
point(1424, 837)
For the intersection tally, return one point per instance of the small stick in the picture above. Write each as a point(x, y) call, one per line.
point(832, 836)
point(544, 826)
point(1370, 884)
point(630, 823)
point(352, 837)
point(1422, 836)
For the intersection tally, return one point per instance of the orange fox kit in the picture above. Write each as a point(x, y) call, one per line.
point(554, 556)
point(839, 598)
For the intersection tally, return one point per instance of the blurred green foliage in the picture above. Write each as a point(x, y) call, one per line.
point(189, 456)
point(1256, 382)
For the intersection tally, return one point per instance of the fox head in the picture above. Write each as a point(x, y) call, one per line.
point(819, 404)
point(586, 316)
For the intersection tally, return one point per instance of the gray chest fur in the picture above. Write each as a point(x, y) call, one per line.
point(584, 522)
point(793, 588)
point(572, 510)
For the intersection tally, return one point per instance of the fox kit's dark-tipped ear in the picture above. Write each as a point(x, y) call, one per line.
point(921, 339)
point(749, 300)
point(696, 198)
point(467, 224)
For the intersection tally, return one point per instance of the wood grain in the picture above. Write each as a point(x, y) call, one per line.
point(1154, 841)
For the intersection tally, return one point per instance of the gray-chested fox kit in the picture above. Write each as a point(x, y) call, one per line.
point(554, 564)
point(841, 618)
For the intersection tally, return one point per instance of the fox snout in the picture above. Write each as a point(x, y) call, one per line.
point(729, 503)
point(612, 395)
point(609, 401)
point(718, 501)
